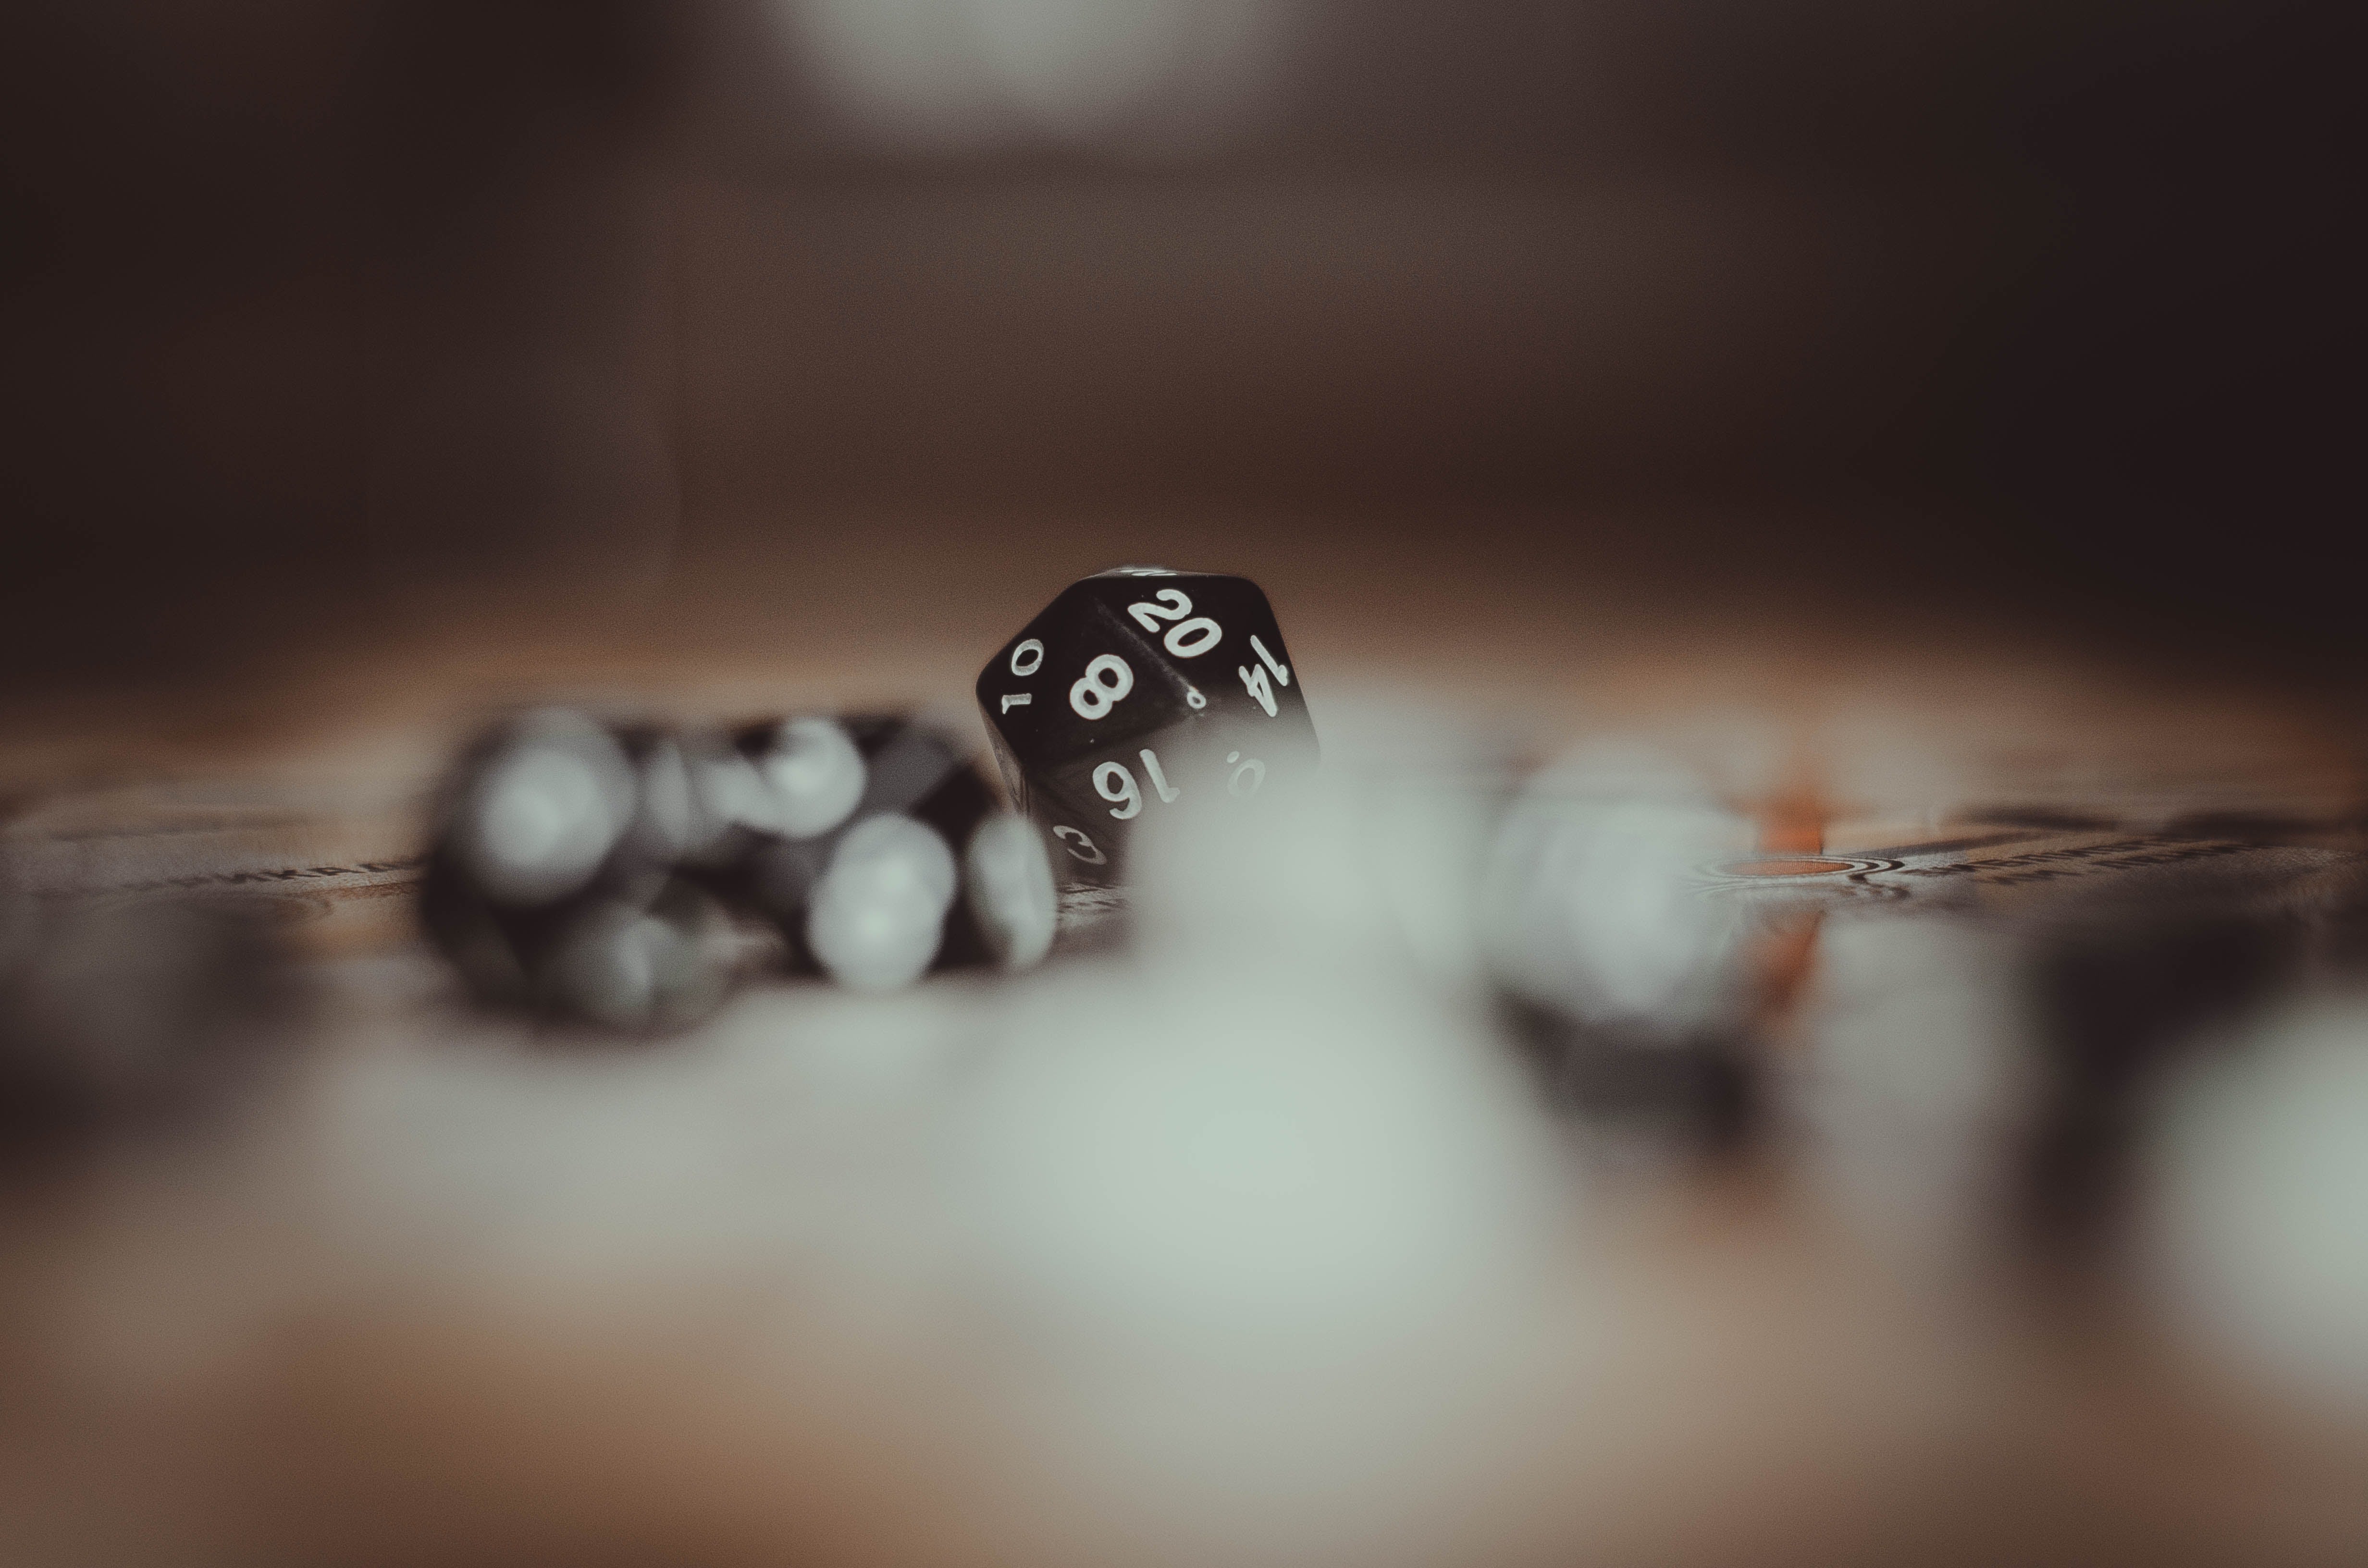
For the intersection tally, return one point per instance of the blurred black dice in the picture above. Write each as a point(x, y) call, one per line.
point(613, 874)
point(1637, 990)
point(1139, 691)
point(553, 881)
point(890, 855)
point(2121, 993)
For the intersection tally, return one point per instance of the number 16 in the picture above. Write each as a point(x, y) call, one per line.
point(1113, 782)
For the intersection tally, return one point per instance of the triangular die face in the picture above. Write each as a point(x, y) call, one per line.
point(1201, 623)
point(1194, 760)
point(1079, 677)
point(1168, 599)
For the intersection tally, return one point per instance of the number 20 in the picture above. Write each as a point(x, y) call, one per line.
point(1189, 639)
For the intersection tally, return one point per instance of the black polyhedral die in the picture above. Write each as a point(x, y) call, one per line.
point(1136, 691)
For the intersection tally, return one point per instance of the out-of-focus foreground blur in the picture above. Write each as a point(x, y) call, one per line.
point(1814, 1013)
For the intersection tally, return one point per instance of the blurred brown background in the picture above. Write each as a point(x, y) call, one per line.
point(328, 322)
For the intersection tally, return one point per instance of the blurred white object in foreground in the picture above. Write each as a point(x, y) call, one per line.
point(1913, 1085)
point(1269, 1198)
point(1272, 1116)
point(2260, 1204)
point(1596, 903)
point(1374, 863)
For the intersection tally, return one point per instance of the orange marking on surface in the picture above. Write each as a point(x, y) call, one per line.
point(1792, 841)
point(1793, 823)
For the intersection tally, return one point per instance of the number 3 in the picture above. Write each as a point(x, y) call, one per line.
point(1089, 853)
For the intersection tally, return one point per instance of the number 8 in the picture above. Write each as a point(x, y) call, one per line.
point(1093, 695)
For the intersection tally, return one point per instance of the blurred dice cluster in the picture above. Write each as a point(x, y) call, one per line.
point(616, 876)
point(611, 874)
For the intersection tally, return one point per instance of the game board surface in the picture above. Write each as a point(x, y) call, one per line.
point(456, 1286)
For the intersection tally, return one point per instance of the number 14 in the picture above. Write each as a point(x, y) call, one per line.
point(1254, 680)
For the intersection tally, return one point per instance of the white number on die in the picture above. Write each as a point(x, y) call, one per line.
point(1084, 849)
point(1254, 681)
point(1168, 792)
point(1195, 637)
point(1033, 651)
point(1113, 782)
point(1105, 680)
point(1173, 606)
point(1188, 641)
